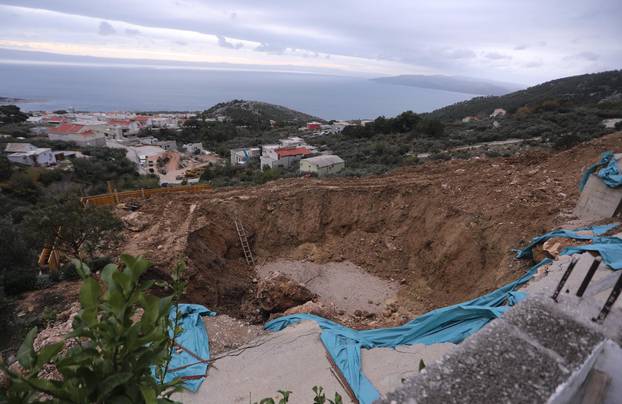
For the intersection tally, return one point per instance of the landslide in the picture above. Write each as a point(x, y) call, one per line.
point(443, 230)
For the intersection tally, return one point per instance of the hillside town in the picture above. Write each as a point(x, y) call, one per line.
point(174, 163)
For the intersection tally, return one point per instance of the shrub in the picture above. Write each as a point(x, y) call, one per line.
point(117, 355)
point(49, 176)
point(19, 281)
point(5, 168)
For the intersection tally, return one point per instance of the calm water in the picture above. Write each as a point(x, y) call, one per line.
point(147, 89)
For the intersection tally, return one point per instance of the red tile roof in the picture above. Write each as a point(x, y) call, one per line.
point(142, 118)
point(121, 122)
point(66, 129)
point(287, 152)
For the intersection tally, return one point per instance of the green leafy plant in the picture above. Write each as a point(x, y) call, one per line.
point(283, 400)
point(320, 397)
point(116, 349)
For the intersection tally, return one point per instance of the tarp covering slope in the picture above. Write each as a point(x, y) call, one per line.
point(609, 171)
point(577, 234)
point(609, 248)
point(190, 361)
point(449, 324)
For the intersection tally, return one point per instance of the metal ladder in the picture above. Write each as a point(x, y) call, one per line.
point(248, 254)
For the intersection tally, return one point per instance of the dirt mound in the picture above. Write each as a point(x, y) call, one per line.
point(442, 230)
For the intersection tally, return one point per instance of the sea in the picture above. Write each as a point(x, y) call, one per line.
point(99, 88)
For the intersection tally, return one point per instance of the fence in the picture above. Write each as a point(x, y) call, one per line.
point(113, 198)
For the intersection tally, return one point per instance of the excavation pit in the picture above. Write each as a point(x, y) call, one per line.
point(439, 234)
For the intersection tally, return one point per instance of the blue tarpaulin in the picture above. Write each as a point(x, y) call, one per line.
point(609, 248)
point(189, 361)
point(596, 231)
point(609, 171)
point(449, 324)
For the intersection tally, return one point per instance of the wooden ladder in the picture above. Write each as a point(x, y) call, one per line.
point(248, 254)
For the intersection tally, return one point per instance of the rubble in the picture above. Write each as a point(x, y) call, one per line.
point(278, 293)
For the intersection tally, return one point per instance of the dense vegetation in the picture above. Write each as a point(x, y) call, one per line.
point(587, 89)
point(243, 112)
point(35, 202)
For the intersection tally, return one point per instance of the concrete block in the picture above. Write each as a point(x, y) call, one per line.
point(598, 201)
point(388, 368)
point(524, 357)
point(545, 326)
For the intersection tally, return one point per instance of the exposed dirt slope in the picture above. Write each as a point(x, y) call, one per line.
point(443, 229)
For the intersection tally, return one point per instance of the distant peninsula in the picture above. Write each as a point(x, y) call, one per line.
point(12, 100)
point(458, 84)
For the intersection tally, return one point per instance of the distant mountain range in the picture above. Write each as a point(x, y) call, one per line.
point(456, 84)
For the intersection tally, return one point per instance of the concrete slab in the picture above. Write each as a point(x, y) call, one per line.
point(598, 201)
point(585, 308)
point(337, 283)
point(293, 359)
point(388, 368)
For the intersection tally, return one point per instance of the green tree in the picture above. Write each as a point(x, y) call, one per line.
point(77, 231)
point(17, 274)
point(5, 168)
point(11, 114)
point(22, 186)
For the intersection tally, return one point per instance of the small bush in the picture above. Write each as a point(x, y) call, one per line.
point(20, 281)
point(49, 176)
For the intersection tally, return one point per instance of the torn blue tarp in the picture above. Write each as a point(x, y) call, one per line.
point(191, 354)
point(609, 248)
point(596, 231)
point(609, 171)
point(449, 324)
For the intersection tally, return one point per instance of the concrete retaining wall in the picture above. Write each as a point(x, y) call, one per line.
point(598, 201)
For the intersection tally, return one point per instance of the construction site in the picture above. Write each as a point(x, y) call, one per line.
point(378, 252)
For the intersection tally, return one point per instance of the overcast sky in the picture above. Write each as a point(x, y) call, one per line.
point(523, 41)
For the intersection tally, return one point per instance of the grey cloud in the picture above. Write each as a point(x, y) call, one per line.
point(106, 29)
point(586, 55)
point(497, 56)
point(534, 64)
point(132, 32)
point(270, 48)
point(222, 41)
point(591, 56)
point(443, 36)
point(458, 53)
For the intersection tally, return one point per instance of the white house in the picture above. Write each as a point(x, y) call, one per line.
point(193, 148)
point(293, 141)
point(27, 154)
point(498, 112)
point(243, 155)
point(322, 165)
point(167, 144)
point(283, 157)
point(124, 127)
point(79, 134)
